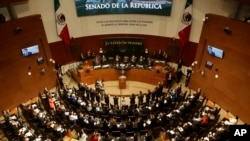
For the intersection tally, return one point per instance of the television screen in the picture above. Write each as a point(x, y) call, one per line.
point(95, 7)
point(30, 50)
point(215, 51)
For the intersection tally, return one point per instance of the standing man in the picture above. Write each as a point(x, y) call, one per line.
point(148, 96)
point(106, 99)
point(132, 99)
point(116, 101)
point(140, 98)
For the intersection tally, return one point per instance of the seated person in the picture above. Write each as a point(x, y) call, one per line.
point(125, 59)
point(141, 60)
point(117, 59)
point(97, 61)
point(133, 60)
point(204, 120)
point(51, 103)
point(104, 60)
point(230, 121)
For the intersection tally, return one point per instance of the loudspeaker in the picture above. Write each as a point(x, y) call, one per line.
point(227, 30)
point(18, 29)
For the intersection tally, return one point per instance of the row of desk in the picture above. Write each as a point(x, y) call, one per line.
point(89, 75)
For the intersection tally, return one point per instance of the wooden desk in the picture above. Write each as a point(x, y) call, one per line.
point(111, 74)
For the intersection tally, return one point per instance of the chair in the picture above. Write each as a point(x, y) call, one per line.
point(102, 132)
point(105, 116)
point(143, 132)
point(118, 119)
point(116, 133)
point(132, 118)
point(130, 134)
point(88, 131)
point(144, 116)
point(124, 106)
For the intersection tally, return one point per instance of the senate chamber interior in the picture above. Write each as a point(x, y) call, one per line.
point(125, 77)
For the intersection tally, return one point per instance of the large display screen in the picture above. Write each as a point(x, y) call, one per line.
point(100, 7)
point(27, 51)
point(214, 51)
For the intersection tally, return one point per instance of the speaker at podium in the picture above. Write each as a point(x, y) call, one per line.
point(122, 82)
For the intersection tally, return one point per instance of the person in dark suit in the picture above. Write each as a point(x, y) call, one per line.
point(160, 87)
point(132, 99)
point(81, 88)
point(106, 99)
point(148, 96)
point(178, 75)
point(148, 136)
point(180, 63)
point(87, 90)
point(116, 100)
point(107, 137)
point(169, 80)
point(98, 98)
point(92, 94)
point(140, 98)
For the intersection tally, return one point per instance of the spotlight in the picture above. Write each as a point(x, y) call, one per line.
point(216, 76)
point(202, 72)
point(52, 61)
point(194, 63)
point(204, 19)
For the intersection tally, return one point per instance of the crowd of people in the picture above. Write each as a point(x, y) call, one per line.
point(179, 115)
point(89, 113)
point(126, 61)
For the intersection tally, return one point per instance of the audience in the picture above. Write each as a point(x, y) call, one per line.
point(82, 110)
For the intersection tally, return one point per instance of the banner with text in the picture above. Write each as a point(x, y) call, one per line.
point(100, 7)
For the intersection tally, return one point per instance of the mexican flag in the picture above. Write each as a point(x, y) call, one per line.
point(61, 25)
point(185, 25)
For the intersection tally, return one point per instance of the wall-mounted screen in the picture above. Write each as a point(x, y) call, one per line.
point(27, 51)
point(214, 51)
point(97, 7)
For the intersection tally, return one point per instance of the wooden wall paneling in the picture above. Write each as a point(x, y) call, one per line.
point(62, 54)
point(230, 89)
point(17, 86)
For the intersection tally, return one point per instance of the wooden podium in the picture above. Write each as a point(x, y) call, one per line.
point(122, 82)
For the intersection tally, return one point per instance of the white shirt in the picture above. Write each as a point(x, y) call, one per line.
point(83, 137)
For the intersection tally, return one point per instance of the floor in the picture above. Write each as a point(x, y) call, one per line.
point(112, 87)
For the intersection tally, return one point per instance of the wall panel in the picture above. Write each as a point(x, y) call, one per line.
point(231, 89)
point(16, 85)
